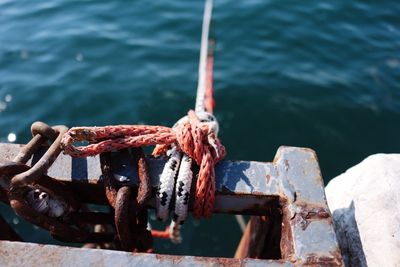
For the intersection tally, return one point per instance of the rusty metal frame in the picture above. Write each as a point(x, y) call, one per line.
point(243, 187)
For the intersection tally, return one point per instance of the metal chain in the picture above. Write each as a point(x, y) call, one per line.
point(42, 200)
point(129, 206)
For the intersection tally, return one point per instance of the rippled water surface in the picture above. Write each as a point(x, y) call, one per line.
point(319, 74)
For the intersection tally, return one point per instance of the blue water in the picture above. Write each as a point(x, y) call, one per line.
point(319, 74)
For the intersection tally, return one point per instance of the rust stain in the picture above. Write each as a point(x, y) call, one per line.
point(287, 249)
point(268, 178)
point(229, 262)
point(308, 213)
point(172, 258)
point(220, 261)
point(286, 164)
point(319, 260)
point(258, 194)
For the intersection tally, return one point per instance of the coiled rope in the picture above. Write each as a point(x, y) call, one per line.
point(193, 137)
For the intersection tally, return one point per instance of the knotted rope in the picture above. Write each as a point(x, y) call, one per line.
point(194, 136)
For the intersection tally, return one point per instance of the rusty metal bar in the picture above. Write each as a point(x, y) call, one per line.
point(241, 180)
point(28, 254)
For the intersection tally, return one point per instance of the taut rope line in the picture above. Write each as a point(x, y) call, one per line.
point(201, 85)
point(193, 137)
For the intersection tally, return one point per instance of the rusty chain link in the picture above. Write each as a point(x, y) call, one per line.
point(129, 206)
point(125, 218)
point(45, 133)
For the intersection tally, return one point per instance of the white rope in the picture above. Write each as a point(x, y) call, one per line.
point(201, 85)
point(182, 194)
point(182, 189)
point(167, 182)
point(184, 179)
point(185, 175)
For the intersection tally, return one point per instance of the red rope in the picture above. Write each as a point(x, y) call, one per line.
point(209, 102)
point(193, 137)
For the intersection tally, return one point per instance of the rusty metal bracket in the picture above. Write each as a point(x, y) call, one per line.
point(44, 132)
